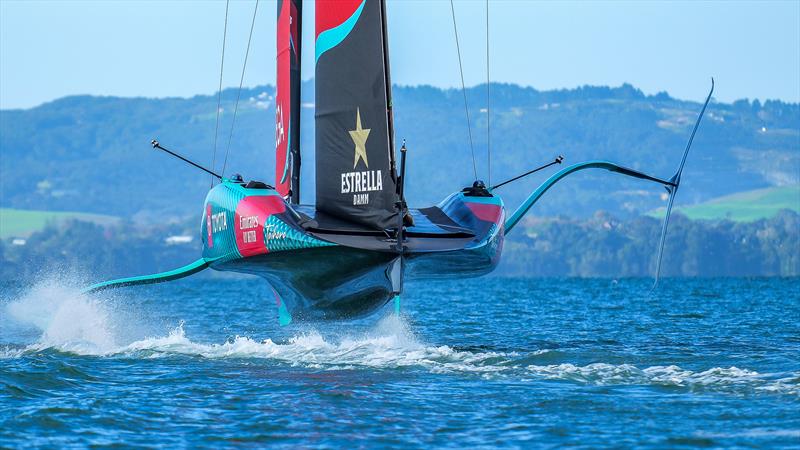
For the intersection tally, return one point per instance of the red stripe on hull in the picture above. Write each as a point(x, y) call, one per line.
point(485, 212)
point(251, 215)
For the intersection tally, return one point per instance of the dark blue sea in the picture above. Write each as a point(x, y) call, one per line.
point(489, 362)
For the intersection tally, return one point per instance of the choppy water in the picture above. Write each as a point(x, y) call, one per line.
point(486, 362)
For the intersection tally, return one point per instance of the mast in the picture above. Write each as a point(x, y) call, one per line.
point(389, 106)
point(287, 100)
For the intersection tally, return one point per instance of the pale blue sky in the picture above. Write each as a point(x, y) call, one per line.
point(157, 49)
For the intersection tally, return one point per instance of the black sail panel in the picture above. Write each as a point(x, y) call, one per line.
point(354, 174)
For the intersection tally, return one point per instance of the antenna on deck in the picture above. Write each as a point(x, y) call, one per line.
point(404, 218)
point(158, 146)
point(558, 160)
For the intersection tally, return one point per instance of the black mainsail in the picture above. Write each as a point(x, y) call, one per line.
point(355, 177)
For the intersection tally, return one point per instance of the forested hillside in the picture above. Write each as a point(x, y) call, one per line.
point(92, 154)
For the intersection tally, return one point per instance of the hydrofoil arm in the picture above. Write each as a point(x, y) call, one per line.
point(178, 273)
point(512, 221)
point(671, 185)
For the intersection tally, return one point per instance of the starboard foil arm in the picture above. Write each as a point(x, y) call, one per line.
point(512, 221)
point(671, 185)
point(171, 275)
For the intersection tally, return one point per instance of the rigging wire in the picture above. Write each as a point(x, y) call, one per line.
point(488, 109)
point(219, 90)
point(464, 91)
point(239, 93)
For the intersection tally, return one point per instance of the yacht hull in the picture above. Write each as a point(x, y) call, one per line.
point(322, 273)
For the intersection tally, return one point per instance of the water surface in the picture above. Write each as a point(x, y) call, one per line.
point(484, 362)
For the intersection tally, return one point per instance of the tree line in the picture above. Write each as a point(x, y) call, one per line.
point(601, 246)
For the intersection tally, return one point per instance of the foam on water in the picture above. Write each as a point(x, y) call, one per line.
point(71, 322)
point(68, 321)
point(389, 345)
point(717, 378)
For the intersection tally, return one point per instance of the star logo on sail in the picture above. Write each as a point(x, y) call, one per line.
point(359, 137)
point(361, 183)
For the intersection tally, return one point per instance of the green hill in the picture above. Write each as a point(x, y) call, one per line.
point(744, 206)
point(23, 223)
point(92, 154)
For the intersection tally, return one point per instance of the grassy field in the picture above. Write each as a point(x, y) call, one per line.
point(22, 223)
point(743, 206)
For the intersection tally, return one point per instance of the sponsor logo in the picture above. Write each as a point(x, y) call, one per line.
point(279, 130)
point(209, 235)
point(359, 137)
point(271, 232)
point(219, 222)
point(247, 225)
point(250, 221)
point(359, 183)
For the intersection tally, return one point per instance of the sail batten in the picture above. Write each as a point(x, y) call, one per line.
point(354, 156)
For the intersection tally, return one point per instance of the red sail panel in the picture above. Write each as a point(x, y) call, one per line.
point(287, 100)
point(332, 13)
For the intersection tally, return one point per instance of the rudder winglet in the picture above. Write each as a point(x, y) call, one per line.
point(161, 277)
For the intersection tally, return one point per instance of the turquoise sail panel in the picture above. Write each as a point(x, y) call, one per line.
point(334, 36)
point(286, 163)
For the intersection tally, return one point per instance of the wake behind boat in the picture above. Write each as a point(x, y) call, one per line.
point(349, 253)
